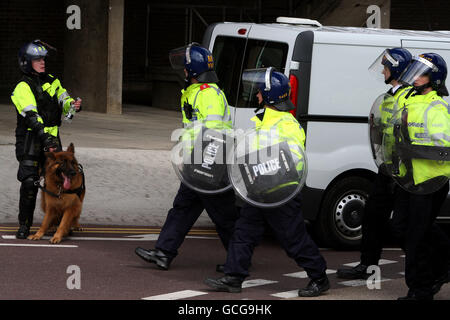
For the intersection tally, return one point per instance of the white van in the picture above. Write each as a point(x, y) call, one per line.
point(333, 92)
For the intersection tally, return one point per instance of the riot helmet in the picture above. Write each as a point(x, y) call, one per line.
point(30, 51)
point(274, 86)
point(197, 60)
point(431, 65)
point(395, 59)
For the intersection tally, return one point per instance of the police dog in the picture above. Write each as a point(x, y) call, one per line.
point(62, 194)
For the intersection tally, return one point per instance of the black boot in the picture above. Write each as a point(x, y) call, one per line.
point(358, 272)
point(439, 282)
point(23, 232)
point(154, 256)
point(315, 287)
point(226, 284)
point(416, 296)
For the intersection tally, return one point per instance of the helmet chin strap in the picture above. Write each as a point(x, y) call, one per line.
point(388, 80)
point(187, 82)
point(421, 88)
point(260, 106)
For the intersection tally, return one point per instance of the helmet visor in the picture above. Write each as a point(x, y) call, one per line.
point(179, 57)
point(258, 77)
point(254, 80)
point(377, 67)
point(417, 68)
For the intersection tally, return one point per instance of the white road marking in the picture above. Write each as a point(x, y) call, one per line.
point(37, 245)
point(81, 238)
point(380, 263)
point(303, 275)
point(256, 282)
point(147, 237)
point(359, 283)
point(143, 237)
point(177, 295)
point(286, 294)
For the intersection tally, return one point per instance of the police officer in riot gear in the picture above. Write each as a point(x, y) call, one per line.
point(203, 101)
point(390, 65)
point(421, 167)
point(286, 220)
point(40, 102)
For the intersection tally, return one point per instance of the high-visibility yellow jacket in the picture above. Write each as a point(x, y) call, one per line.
point(285, 128)
point(388, 108)
point(428, 120)
point(50, 105)
point(207, 103)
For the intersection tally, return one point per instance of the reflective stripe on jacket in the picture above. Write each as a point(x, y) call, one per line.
point(428, 125)
point(25, 100)
point(208, 103)
point(286, 127)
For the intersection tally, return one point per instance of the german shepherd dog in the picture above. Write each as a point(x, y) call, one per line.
point(63, 194)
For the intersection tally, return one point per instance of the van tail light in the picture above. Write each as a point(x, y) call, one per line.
point(242, 31)
point(294, 92)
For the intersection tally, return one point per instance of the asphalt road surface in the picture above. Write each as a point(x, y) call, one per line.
point(99, 263)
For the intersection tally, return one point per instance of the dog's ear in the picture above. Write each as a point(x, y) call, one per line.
point(71, 148)
point(50, 156)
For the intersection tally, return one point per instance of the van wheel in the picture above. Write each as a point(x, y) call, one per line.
point(340, 218)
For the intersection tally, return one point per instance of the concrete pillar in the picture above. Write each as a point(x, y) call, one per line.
point(115, 57)
point(93, 55)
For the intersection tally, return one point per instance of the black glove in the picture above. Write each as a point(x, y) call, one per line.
point(50, 142)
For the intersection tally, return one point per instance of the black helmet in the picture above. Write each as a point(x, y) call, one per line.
point(31, 51)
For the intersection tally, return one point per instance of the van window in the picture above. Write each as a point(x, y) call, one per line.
point(229, 57)
point(228, 53)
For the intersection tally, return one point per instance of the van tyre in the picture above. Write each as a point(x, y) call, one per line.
point(339, 221)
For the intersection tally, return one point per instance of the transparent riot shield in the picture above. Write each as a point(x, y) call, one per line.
point(265, 170)
point(380, 116)
point(417, 147)
point(199, 158)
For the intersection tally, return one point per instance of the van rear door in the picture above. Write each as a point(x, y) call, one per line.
point(227, 42)
point(262, 51)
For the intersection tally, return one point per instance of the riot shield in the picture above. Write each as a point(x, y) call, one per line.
point(265, 170)
point(380, 116)
point(417, 147)
point(199, 158)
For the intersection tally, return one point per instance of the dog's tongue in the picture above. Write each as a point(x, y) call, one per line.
point(66, 184)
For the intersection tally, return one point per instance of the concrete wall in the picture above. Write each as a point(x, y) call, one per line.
point(420, 15)
point(352, 13)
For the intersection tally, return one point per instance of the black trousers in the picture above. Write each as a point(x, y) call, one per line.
point(187, 207)
point(375, 221)
point(28, 174)
point(426, 246)
point(31, 157)
point(288, 224)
